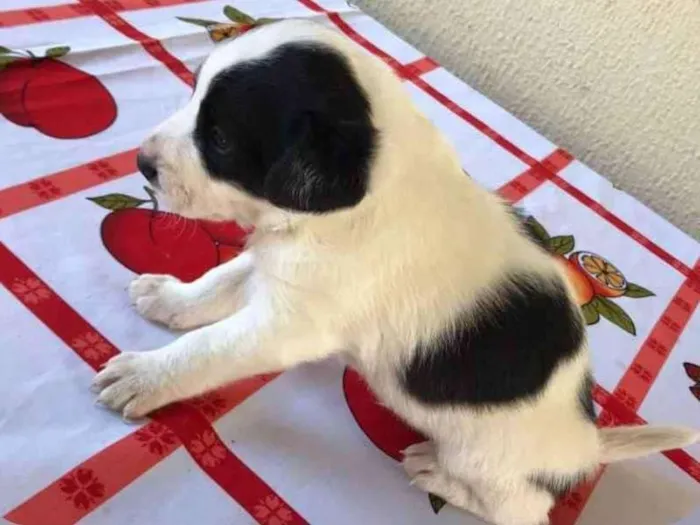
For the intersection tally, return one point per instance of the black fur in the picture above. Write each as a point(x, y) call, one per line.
point(504, 354)
point(585, 398)
point(293, 128)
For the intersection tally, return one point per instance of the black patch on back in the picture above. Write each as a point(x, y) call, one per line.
point(296, 126)
point(503, 353)
point(585, 398)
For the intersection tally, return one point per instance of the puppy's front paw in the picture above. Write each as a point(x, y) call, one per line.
point(162, 299)
point(133, 384)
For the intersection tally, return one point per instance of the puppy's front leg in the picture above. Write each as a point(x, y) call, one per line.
point(181, 306)
point(246, 344)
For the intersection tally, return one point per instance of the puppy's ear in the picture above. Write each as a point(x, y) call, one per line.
point(326, 166)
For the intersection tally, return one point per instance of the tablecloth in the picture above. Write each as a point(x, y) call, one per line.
point(81, 84)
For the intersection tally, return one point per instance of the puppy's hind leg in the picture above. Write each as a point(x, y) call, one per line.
point(423, 467)
point(498, 500)
point(181, 306)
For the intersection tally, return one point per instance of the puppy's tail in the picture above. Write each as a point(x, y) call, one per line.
point(620, 443)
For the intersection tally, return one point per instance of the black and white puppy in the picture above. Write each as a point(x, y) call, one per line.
point(370, 242)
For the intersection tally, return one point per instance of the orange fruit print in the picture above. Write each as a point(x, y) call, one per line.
point(238, 23)
point(583, 289)
point(594, 280)
point(605, 278)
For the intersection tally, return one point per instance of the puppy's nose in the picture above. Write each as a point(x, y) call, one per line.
point(146, 166)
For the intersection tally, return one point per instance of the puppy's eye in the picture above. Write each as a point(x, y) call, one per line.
point(219, 139)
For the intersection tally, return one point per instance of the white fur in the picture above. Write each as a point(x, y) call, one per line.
point(368, 282)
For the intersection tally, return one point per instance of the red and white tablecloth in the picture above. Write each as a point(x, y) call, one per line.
point(307, 446)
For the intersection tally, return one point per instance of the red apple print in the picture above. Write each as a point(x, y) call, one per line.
point(55, 98)
point(693, 371)
point(388, 433)
point(227, 252)
point(383, 428)
point(13, 79)
point(147, 241)
point(67, 103)
point(152, 241)
point(225, 232)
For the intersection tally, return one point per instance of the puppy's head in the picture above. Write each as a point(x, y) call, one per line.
point(277, 120)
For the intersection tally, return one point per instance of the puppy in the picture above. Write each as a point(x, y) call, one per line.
point(369, 241)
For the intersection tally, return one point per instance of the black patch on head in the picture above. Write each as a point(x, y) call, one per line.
point(293, 128)
point(504, 352)
point(557, 485)
point(585, 398)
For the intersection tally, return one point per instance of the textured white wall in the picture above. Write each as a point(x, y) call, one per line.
point(616, 82)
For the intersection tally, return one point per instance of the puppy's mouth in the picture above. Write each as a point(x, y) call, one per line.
point(175, 198)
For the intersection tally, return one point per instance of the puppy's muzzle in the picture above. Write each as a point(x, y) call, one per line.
point(147, 166)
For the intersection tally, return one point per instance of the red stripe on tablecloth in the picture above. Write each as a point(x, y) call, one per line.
point(124, 461)
point(64, 183)
point(229, 472)
point(614, 413)
point(569, 508)
point(190, 425)
point(53, 311)
point(51, 13)
point(152, 46)
point(420, 67)
point(634, 387)
point(645, 367)
point(359, 39)
point(620, 414)
point(532, 178)
point(625, 228)
point(111, 469)
point(20, 17)
point(474, 122)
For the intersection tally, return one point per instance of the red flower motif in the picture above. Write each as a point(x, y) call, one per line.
point(156, 438)
point(44, 189)
point(272, 511)
point(210, 404)
point(103, 169)
point(82, 488)
point(207, 449)
point(92, 346)
point(38, 14)
point(31, 290)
